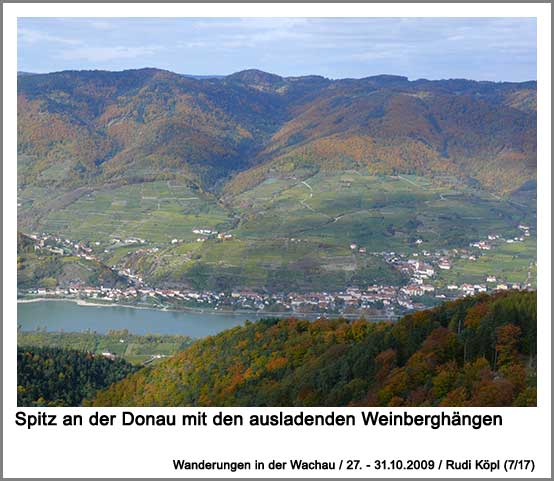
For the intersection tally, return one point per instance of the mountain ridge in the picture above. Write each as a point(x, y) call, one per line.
point(529, 82)
point(97, 126)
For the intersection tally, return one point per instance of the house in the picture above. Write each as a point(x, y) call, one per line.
point(346, 297)
point(444, 264)
point(424, 269)
point(412, 290)
point(482, 245)
point(406, 304)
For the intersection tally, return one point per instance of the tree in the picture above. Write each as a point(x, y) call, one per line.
point(507, 339)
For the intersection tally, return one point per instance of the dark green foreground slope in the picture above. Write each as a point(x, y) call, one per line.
point(48, 376)
point(477, 351)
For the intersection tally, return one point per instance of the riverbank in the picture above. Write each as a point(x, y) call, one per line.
point(83, 302)
point(197, 310)
point(73, 315)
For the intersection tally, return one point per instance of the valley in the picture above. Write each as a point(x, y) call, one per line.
point(332, 242)
point(255, 192)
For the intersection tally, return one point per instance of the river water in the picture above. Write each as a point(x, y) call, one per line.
point(70, 316)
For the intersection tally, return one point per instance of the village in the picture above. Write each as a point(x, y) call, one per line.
point(422, 286)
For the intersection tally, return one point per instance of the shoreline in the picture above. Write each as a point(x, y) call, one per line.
point(82, 302)
point(195, 310)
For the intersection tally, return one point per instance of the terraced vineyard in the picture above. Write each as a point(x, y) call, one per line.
point(155, 211)
point(146, 167)
point(378, 212)
point(515, 263)
point(294, 231)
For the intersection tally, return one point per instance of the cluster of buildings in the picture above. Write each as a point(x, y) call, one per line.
point(120, 242)
point(321, 302)
point(422, 272)
point(210, 234)
point(383, 298)
point(379, 298)
point(58, 245)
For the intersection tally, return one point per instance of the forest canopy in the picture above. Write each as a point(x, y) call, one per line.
point(476, 351)
point(49, 376)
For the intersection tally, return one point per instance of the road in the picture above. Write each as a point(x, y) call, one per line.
point(303, 202)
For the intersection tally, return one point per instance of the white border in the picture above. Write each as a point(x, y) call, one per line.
point(147, 453)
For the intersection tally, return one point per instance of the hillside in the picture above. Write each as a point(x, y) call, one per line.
point(49, 376)
point(132, 348)
point(475, 130)
point(294, 169)
point(40, 267)
point(81, 127)
point(290, 234)
point(478, 351)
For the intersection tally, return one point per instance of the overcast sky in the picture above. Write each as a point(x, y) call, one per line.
point(434, 48)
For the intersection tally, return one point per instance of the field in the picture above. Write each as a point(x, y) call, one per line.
point(155, 211)
point(133, 348)
point(377, 212)
point(513, 263)
point(294, 231)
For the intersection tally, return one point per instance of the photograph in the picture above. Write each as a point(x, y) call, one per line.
point(219, 211)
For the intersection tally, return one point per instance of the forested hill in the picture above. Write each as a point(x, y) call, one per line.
point(80, 128)
point(478, 351)
point(49, 376)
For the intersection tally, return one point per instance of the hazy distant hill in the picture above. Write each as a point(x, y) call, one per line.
point(78, 127)
point(478, 351)
point(24, 74)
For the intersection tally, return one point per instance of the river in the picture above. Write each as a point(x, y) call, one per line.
point(70, 316)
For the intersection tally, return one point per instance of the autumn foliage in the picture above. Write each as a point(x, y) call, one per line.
point(421, 360)
point(78, 128)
